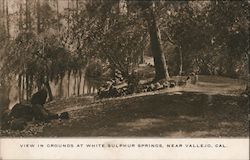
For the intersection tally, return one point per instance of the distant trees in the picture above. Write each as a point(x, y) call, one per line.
point(210, 37)
point(230, 29)
point(4, 35)
point(35, 56)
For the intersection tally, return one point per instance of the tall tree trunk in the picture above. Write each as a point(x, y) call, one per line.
point(38, 17)
point(142, 58)
point(30, 85)
point(3, 17)
point(248, 68)
point(3, 7)
point(79, 82)
point(23, 87)
point(161, 71)
point(7, 20)
point(61, 87)
point(74, 84)
point(68, 82)
point(49, 90)
point(28, 16)
point(3, 12)
point(230, 69)
point(40, 81)
point(77, 8)
point(27, 87)
point(181, 60)
point(57, 14)
point(21, 17)
point(88, 88)
point(248, 58)
point(20, 87)
point(68, 17)
point(83, 88)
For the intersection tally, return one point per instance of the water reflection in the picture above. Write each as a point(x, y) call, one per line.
point(69, 86)
point(75, 86)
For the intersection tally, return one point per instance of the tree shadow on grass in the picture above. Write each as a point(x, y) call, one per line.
point(177, 115)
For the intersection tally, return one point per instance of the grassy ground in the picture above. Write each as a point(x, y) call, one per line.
point(186, 114)
point(212, 108)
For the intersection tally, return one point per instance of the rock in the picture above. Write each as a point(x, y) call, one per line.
point(147, 88)
point(18, 124)
point(245, 95)
point(152, 87)
point(172, 84)
point(144, 90)
point(166, 84)
point(40, 113)
point(182, 83)
point(158, 86)
point(102, 92)
point(64, 115)
point(53, 116)
point(24, 111)
point(124, 91)
point(5, 120)
point(112, 92)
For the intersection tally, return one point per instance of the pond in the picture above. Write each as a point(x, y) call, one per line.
point(72, 86)
point(75, 86)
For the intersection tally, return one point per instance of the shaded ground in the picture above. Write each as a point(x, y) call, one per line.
point(207, 109)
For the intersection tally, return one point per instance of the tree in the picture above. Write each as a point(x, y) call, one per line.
point(35, 57)
point(210, 35)
point(109, 36)
point(161, 71)
point(39, 30)
point(185, 27)
point(7, 20)
point(230, 27)
point(147, 9)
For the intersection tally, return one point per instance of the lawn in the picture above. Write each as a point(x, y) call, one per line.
point(211, 108)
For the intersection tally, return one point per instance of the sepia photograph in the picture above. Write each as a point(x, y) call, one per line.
point(124, 68)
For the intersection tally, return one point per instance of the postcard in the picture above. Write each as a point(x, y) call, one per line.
point(124, 79)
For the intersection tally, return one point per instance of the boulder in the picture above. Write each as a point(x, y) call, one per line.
point(23, 111)
point(166, 84)
point(152, 87)
point(113, 92)
point(18, 124)
point(52, 116)
point(5, 120)
point(64, 115)
point(182, 83)
point(158, 86)
point(40, 113)
point(172, 83)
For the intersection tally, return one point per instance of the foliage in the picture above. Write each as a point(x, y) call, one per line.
point(212, 36)
point(113, 38)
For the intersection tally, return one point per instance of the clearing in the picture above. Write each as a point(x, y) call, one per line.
point(214, 107)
